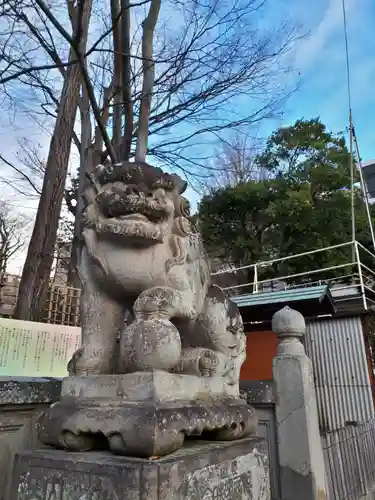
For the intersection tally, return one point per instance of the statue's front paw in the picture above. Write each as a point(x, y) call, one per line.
point(214, 363)
point(72, 363)
point(84, 363)
point(208, 363)
point(203, 362)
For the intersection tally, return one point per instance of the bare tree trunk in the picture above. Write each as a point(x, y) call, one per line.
point(84, 167)
point(117, 76)
point(36, 272)
point(148, 79)
point(126, 80)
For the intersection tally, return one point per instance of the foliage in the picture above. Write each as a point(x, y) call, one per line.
point(303, 206)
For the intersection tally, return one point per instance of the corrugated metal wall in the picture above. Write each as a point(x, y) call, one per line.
point(349, 456)
point(343, 389)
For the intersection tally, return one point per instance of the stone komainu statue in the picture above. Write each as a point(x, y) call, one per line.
point(173, 369)
point(142, 254)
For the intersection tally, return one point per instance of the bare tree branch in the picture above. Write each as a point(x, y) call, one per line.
point(148, 80)
point(126, 80)
point(117, 75)
point(12, 235)
point(35, 277)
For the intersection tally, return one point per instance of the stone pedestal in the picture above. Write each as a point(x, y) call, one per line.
point(143, 414)
point(198, 471)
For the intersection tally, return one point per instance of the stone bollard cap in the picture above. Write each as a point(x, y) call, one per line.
point(288, 322)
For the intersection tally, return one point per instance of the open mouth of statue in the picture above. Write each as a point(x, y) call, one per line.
point(131, 217)
point(142, 214)
point(131, 208)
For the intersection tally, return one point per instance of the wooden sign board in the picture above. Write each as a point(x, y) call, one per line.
point(29, 349)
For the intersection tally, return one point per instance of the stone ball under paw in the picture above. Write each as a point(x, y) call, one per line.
point(155, 344)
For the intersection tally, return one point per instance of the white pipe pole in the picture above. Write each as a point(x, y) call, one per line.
point(364, 190)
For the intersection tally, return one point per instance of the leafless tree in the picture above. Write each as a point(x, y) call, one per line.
point(215, 72)
point(235, 162)
point(12, 235)
point(35, 277)
point(24, 173)
point(208, 68)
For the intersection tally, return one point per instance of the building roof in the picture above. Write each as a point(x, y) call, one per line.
point(310, 301)
point(368, 170)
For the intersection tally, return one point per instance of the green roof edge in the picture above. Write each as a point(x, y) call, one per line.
point(318, 292)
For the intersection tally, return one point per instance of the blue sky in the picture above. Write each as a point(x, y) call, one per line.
point(320, 59)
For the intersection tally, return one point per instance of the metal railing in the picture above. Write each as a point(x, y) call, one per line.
point(354, 272)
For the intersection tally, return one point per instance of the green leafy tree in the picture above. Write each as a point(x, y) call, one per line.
point(304, 205)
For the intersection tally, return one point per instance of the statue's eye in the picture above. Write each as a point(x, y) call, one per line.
point(109, 169)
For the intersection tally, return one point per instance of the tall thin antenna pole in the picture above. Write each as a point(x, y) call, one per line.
point(351, 167)
point(351, 159)
point(347, 59)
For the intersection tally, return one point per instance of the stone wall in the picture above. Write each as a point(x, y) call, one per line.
point(260, 394)
point(21, 400)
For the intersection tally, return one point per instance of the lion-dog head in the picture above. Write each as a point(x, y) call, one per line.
point(136, 201)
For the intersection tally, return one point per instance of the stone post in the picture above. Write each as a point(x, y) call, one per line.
point(302, 471)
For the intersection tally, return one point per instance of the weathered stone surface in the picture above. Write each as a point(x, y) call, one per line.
point(288, 323)
point(258, 391)
point(142, 429)
point(261, 395)
point(143, 254)
point(22, 399)
point(302, 471)
point(150, 344)
point(155, 386)
point(29, 390)
point(199, 471)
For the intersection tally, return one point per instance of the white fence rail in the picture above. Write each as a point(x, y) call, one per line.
point(355, 269)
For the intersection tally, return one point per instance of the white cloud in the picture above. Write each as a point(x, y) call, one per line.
point(325, 20)
point(321, 58)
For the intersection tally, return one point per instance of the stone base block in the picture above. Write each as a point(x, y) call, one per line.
point(142, 429)
point(155, 385)
point(199, 471)
point(143, 414)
